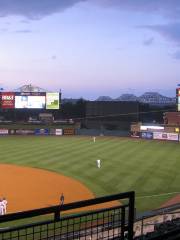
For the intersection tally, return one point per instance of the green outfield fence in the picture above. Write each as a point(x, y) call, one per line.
point(103, 132)
point(56, 223)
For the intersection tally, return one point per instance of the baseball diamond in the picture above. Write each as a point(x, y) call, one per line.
point(148, 167)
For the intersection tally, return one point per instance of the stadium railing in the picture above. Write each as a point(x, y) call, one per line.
point(59, 222)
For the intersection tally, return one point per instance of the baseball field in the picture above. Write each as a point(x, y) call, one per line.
point(150, 168)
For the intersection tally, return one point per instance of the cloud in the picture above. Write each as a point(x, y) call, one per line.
point(25, 21)
point(170, 31)
point(23, 31)
point(169, 8)
point(54, 57)
point(34, 9)
point(148, 41)
point(176, 55)
point(4, 29)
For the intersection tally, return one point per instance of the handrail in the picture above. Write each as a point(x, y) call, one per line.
point(69, 206)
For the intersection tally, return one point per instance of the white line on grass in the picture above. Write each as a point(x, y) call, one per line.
point(158, 195)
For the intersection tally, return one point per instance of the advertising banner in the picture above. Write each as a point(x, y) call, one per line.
point(151, 128)
point(41, 131)
point(7, 99)
point(69, 131)
point(166, 136)
point(178, 107)
point(12, 131)
point(24, 132)
point(135, 134)
point(52, 100)
point(173, 136)
point(147, 135)
point(52, 131)
point(59, 132)
point(4, 131)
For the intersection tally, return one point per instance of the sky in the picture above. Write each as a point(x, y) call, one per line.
point(91, 48)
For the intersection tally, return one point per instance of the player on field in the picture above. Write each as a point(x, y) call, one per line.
point(61, 199)
point(4, 201)
point(98, 162)
point(1, 207)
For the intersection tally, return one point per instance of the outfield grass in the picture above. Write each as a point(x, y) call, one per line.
point(148, 167)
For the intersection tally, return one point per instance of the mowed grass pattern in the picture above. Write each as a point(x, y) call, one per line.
point(147, 167)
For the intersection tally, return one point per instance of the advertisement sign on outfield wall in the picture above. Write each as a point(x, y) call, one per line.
point(135, 134)
point(69, 131)
point(24, 132)
point(147, 135)
point(166, 136)
point(7, 100)
point(4, 131)
point(59, 132)
point(41, 131)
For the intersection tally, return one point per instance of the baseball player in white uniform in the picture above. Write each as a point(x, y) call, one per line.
point(98, 162)
point(94, 139)
point(1, 207)
point(4, 201)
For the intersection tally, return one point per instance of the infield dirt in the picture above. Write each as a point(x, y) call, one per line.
point(28, 188)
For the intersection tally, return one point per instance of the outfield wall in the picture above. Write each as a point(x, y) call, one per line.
point(102, 132)
point(157, 136)
point(65, 131)
point(38, 131)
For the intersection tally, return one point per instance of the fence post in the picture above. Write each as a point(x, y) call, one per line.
point(142, 226)
point(131, 216)
point(57, 215)
point(122, 222)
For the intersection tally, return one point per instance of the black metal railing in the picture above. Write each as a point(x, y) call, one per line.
point(108, 223)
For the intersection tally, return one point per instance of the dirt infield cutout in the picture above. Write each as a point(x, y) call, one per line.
point(172, 201)
point(29, 188)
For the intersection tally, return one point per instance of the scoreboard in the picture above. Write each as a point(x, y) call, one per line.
point(29, 100)
point(178, 99)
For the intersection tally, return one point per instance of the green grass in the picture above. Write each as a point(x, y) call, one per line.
point(148, 167)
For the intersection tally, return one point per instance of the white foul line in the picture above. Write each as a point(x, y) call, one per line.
point(158, 195)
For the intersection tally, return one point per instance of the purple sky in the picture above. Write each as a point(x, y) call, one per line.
point(90, 48)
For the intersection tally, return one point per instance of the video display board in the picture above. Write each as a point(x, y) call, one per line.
point(29, 100)
point(7, 100)
point(52, 100)
point(178, 99)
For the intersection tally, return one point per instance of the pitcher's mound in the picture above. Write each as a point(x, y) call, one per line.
point(28, 188)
